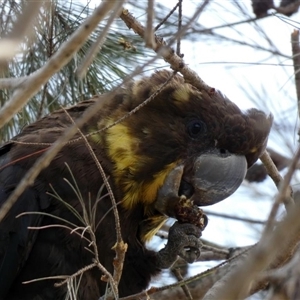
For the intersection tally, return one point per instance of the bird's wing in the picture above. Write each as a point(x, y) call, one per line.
point(16, 158)
point(15, 239)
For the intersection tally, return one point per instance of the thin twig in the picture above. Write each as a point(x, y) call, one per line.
point(42, 102)
point(205, 279)
point(121, 247)
point(246, 21)
point(234, 218)
point(271, 168)
point(166, 17)
point(296, 62)
point(11, 83)
point(167, 52)
point(277, 178)
point(79, 272)
point(149, 40)
point(178, 51)
point(177, 274)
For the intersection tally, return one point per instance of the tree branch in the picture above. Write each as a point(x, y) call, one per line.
point(296, 62)
point(167, 52)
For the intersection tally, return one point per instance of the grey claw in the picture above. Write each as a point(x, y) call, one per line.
point(190, 255)
point(183, 241)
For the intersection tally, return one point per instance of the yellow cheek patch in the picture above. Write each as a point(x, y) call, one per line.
point(144, 192)
point(253, 150)
point(153, 225)
point(150, 189)
point(121, 146)
point(95, 137)
point(122, 149)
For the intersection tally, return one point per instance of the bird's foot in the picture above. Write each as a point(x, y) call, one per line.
point(183, 241)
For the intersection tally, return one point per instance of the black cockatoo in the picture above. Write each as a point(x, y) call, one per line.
point(184, 144)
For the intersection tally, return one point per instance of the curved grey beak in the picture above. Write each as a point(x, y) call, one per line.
point(216, 176)
point(211, 178)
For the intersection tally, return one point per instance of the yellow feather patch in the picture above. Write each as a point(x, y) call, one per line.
point(121, 147)
point(122, 151)
point(144, 192)
point(253, 150)
point(182, 93)
point(97, 138)
point(155, 224)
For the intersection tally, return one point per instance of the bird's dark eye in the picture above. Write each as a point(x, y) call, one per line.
point(195, 128)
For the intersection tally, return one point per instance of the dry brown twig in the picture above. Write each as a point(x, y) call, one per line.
point(178, 46)
point(169, 55)
point(185, 289)
point(272, 171)
point(202, 282)
point(234, 217)
point(120, 247)
point(149, 39)
point(296, 62)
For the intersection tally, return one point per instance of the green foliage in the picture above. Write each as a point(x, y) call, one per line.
point(54, 25)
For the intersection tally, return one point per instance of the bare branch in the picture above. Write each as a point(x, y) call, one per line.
point(185, 289)
point(178, 52)
point(296, 63)
point(274, 174)
point(121, 247)
point(11, 83)
point(166, 17)
point(235, 218)
point(167, 52)
point(149, 37)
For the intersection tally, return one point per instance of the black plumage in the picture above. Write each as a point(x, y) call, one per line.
point(180, 129)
